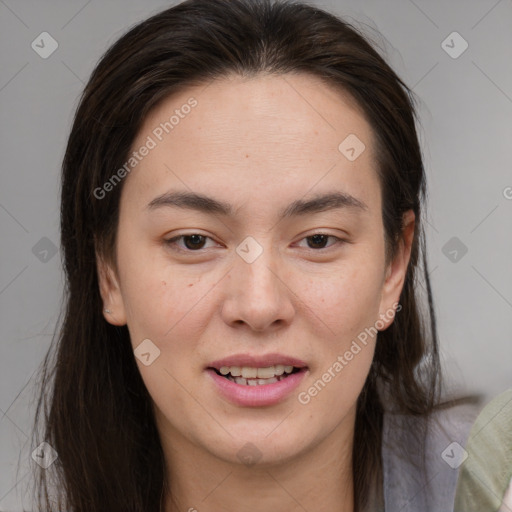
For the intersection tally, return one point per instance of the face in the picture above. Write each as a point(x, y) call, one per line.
point(277, 265)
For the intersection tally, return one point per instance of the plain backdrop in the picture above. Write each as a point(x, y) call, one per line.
point(466, 134)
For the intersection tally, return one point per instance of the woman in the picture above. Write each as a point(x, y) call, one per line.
point(217, 352)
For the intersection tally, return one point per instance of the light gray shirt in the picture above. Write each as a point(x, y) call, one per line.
point(410, 486)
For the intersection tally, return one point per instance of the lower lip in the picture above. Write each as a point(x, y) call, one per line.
point(257, 396)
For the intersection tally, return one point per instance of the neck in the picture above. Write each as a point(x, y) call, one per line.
point(318, 479)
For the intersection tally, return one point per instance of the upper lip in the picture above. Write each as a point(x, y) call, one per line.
point(263, 361)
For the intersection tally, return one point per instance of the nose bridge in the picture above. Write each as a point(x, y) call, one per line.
point(257, 265)
point(258, 295)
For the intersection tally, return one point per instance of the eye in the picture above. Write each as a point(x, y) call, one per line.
point(194, 242)
point(319, 239)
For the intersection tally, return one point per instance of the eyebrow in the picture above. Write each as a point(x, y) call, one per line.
point(205, 204)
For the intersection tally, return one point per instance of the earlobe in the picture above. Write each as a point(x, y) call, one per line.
point(113, 305)
point(397, 270)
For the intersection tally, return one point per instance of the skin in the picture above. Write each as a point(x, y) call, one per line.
point(259, 144)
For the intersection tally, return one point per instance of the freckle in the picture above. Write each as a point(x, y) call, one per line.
point(246, 156)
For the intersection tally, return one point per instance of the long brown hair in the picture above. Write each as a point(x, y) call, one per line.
point(95, 409)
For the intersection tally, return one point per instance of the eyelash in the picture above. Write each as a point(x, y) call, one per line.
point(171, 242)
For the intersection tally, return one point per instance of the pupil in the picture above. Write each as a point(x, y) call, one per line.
point(317, 237)
point(194, 242)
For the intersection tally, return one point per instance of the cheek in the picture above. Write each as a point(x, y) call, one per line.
point(344, 301)
point(349, 305)
point(160, 298)
point(337, 385)
point(168, 309)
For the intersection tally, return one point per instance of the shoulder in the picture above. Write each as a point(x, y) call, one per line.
point(487, 472)
point(422, 456)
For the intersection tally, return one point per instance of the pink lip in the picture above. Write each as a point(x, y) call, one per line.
point(256, 396)
point(257, 361)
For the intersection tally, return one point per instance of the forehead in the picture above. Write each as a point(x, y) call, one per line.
point(258, 138)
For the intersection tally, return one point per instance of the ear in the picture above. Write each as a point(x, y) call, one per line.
point(396, 271)
point(110, 293)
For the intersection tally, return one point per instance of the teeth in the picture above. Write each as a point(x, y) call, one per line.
point(254, 382)
point(248, 372)
point(279, 369)
point(267, 375)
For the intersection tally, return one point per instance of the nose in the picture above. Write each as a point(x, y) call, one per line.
point(258, 295)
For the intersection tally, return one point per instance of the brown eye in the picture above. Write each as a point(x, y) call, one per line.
point(192, 242)
point(195, 242)
point(317, 241)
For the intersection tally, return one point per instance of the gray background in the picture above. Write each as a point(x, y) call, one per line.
point(466, 133)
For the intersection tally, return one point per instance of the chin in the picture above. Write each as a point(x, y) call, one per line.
point(258, 446)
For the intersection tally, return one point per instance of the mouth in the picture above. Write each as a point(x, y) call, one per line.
point(257, 381)
point(252, 376)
